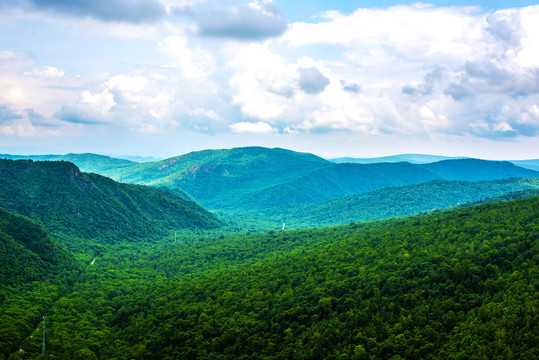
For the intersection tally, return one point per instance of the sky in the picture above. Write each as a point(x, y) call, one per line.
point(342, 78)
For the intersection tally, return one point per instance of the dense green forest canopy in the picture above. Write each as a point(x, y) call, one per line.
point(34, 272)
point(398, 201)
point(457, 285)
point(80, 209)
point(27, 253)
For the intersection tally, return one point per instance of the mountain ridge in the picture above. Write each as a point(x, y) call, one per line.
point(90, 207)
point(254, 178)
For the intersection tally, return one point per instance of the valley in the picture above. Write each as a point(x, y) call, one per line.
point(258, 253)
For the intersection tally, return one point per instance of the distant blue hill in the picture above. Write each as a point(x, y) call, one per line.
point(423, 159)
point(411, 158)
point(527, 164)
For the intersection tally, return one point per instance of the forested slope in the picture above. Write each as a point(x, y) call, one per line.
point(34, 272)
point(256, 178)
point(453, 285)
point(27, 253)
point(341, 180)
point(398, 201)
point(77, 207)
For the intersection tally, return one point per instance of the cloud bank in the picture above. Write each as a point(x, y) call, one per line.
point(416, 71)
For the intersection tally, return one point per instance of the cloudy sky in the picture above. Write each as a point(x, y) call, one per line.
point(340, 78)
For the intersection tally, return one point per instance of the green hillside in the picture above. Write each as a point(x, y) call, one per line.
point(256, 178)
point(80, 209)
point(223, 178)
point(34, 272)
point(27, 253)
point(453, 285)
point(398, 201)
point(341, 180)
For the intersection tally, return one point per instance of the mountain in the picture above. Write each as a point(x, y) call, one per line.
point(74, 205)
point(400, 200)
point(34, 272)
point(256, 178)
point(411, 158)
point(341, 180)
point(223, 178)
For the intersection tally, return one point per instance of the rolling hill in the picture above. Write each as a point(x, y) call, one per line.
point(73, 205)
point(340, 180)
point(257, 179)
point(399, 201)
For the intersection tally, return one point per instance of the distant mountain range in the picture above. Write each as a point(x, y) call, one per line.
point(266, 181)
point(423, 159)
point(411, 158)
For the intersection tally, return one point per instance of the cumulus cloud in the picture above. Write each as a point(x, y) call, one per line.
point(130, 11)
point(78, 115)
point(458, 91)
point(253, 128)
point(351, 87)
point(7, 114)
point(431, 80)
point(415, 70)
point(258, 20)
point(311, 80)
point(38, 119)
point(194, 62)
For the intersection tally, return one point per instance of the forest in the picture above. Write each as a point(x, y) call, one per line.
point(447, 285)
point(453, 283)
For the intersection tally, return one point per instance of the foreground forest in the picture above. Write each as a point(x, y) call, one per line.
point(460, 284)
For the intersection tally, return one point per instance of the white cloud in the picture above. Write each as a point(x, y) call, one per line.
point(195, 63)
point(415, 70)
point(46, 71)
point(128, 83)
point(205, 112)
point(528, 55)
point(102, 101)
point(425, 29)
point(263, 82)
point(24, 83)
point(253, 128)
